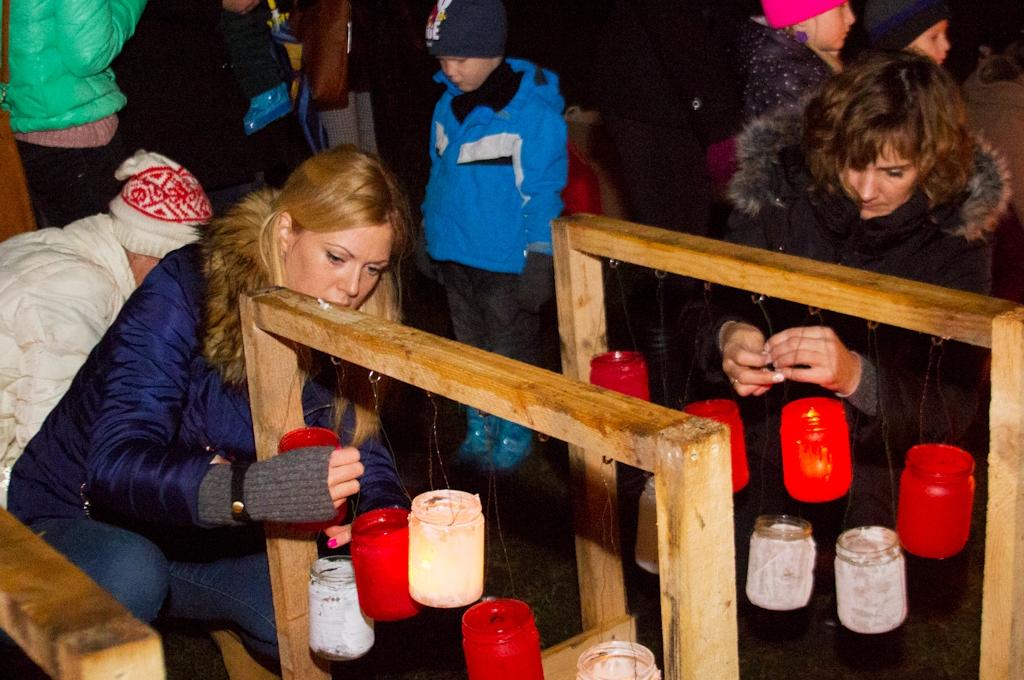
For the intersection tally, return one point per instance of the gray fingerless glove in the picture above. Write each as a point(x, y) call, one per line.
point(288, 488)
point(537, 282)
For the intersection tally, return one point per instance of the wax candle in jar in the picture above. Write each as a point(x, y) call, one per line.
point(338, 630)
point(500, 641)
point(728, 412)
point(380, 557)
point(936, 497)
point(303, 437)
point(815, 449)
point(624, 372)
point(646, 549)
point(617, 660)
point(446, 548)
point(871, 580)
point(780, 570)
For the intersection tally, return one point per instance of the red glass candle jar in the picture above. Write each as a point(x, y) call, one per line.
point(301, 438)
point(728, 412)
point(500, 641)
point(307, 436)
point(624, 372)
point(815, 449)
point(380, 556)
point(936, 496)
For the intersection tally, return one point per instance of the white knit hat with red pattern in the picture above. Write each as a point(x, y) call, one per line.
point(158, 206)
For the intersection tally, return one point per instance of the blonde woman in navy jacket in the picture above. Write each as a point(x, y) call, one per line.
point(134, 473)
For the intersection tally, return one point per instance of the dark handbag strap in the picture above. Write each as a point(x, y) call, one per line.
point(5, 34)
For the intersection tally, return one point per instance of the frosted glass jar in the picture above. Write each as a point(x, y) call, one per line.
point(446, 549)
point(646, 550)
point(617, 660)
point(338, 630)
point(780, 570)
point(871, 580)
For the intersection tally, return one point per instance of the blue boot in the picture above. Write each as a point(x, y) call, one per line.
point(266, 107)
point(476, 447)
point(513, 445)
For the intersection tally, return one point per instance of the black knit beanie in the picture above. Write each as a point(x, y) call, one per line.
point(894, 24)
point(467, 28)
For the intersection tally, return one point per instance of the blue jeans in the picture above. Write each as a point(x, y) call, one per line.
point(233, 589)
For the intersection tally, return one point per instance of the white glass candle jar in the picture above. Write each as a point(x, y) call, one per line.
point(338, 630)
point(871, 581)
point(646, 551)
point(446, 549)
point(617, 660)
point(780, 570)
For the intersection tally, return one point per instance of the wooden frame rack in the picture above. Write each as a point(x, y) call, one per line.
point(688, 455)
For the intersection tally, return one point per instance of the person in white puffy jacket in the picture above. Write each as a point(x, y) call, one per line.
point(61, 288)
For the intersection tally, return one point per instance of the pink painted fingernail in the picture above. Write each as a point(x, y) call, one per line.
point(332, 543)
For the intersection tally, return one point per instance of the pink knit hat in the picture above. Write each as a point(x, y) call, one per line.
point(158, 206)
point(782, 13)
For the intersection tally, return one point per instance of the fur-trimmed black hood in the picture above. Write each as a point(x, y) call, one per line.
point(760, 180)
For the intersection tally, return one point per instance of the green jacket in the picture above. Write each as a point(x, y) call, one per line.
point(60, 54)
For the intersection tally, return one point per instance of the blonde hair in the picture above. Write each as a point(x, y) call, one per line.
point(335, 190)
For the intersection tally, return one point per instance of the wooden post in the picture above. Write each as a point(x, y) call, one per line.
point(696, 554)
point(275, 392)
point(66, 623)
point(581, 326)
point(1002, 636)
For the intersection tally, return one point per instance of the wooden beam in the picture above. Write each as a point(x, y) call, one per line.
point(591, 417)
point(887, 299)
point(275, 393)
point(581, 324)
point(560, 660)
point(579, 289)
point(696, 554)
point(63, 620)
point(1002, 613)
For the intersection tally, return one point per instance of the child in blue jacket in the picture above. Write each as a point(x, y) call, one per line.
point(498, 166)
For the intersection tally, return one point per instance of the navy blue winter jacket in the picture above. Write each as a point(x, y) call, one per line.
point(145, 415)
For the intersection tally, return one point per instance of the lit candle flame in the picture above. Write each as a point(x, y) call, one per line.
point(815, 458)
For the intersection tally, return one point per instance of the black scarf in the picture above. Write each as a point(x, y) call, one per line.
point(495, 92)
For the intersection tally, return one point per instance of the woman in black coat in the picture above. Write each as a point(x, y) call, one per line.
point(879, 173)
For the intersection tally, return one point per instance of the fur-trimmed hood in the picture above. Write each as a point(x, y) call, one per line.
point(761, 179)
point(232, 265)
